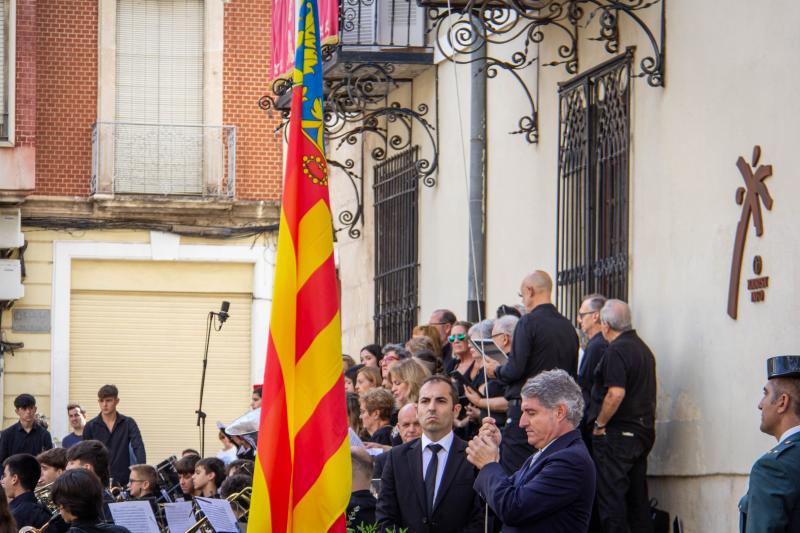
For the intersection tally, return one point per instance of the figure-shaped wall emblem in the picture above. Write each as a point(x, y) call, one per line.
point(750, 197)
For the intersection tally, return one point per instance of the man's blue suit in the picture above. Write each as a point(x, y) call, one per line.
point(552, 495)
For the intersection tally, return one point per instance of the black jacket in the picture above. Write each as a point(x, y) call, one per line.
point(402, 500)
point(27, 511)
point(122, 442)
point(361, 508)
point(543, 340)
point(15, 440)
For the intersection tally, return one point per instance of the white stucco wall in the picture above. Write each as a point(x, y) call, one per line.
point(729, 86)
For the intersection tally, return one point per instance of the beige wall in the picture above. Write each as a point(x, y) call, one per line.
point(729, 86)
point(38, 367)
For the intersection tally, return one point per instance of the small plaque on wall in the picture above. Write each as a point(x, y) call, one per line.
point(30, 320)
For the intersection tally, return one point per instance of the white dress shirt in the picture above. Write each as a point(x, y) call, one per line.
point(446, 443)
point(788, 433)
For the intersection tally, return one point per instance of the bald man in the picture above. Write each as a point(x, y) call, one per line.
point(543, 340)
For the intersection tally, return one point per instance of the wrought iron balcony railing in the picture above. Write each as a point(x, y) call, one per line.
point(163, 159)
point(382, 24)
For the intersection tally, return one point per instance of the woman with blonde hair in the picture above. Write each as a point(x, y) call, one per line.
point(368, 377)
point(406, 378)
point(426, 330)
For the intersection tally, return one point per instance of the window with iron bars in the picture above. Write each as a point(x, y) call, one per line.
point(593, 177)
point(396, 194)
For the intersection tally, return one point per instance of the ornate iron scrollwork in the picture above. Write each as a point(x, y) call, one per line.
point(472, 25)
point(357, 105)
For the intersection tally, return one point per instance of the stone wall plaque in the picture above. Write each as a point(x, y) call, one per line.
point(30, 320)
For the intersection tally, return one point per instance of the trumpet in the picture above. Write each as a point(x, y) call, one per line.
point(241, 499)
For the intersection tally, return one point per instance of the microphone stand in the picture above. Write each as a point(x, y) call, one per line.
point(201, 415)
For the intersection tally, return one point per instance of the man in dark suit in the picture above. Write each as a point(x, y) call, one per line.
point(426, 485)
point(553, 490)
point(772, 502)
point(543, 340)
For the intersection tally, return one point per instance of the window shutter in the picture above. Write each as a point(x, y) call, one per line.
point(358, 24)
point(159, 72)
point(401, 23)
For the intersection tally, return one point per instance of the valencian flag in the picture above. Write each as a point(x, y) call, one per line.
point(302, 475)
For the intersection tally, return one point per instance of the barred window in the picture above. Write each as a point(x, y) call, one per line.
point(593, 177)
point(395, 188)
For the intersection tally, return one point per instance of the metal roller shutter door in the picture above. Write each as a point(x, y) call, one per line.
point(150, 345)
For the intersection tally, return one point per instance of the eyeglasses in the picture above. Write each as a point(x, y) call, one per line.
point(459, 337)
point(581, 315)
point(498, 334)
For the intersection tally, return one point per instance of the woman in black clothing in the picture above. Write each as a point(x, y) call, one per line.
point(78, 494)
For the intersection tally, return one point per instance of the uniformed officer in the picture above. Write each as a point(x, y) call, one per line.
point(772, 502)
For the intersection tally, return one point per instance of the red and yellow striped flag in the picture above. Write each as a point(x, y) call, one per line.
point(302, 475)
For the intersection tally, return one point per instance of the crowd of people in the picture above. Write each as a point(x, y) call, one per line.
point(552, 435)
point(520, 422)
point(103, 461)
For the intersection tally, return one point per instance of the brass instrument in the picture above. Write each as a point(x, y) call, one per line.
point(241, 500)
point(31, 529)
point(44, 497)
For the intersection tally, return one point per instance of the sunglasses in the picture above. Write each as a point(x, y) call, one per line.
point(459, 337)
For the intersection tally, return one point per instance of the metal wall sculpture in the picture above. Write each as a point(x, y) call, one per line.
point(593, 175)
point(358, 105)
point(750, 197)
point(467, 26)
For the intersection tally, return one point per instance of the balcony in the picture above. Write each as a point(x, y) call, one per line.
point(163, 159)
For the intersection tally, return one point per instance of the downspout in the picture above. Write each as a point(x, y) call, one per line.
point(476, 299)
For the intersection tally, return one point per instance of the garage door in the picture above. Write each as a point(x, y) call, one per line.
point(150, 345)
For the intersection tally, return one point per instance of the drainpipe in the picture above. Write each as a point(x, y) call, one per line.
point(476, 300)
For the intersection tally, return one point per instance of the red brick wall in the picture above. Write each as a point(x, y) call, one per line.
point(25, 116)
point(248, 27)
point(66, 86)
point(66, 103)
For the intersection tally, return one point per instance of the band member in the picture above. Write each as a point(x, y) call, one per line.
point(185, 468)
point(255, 399)
point(143, 482)
point(92, 455)
point(209, 473)
point(53, 463)
point(7, 522)
point(21, 472)
point(26, 436)
point(77, 421)
point(118, 432)
point(78, 493)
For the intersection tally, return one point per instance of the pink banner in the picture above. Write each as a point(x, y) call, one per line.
point(284, 31)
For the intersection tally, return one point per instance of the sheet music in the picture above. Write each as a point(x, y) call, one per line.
point(219, 513)
point(179, 516)
point(137, 516)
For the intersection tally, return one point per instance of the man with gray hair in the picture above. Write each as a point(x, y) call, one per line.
point(503, 332)
point(553, 490)
point(623, 410)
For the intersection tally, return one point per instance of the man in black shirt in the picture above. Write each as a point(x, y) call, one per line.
point(20, 475)
point(543, 340)
point(623, 411)
point(589, 322)
point(26, 436)
point(118, 432)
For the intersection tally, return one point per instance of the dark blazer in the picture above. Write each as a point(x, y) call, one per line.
point(772, 502)
point(553, 495)
point(401, 503)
